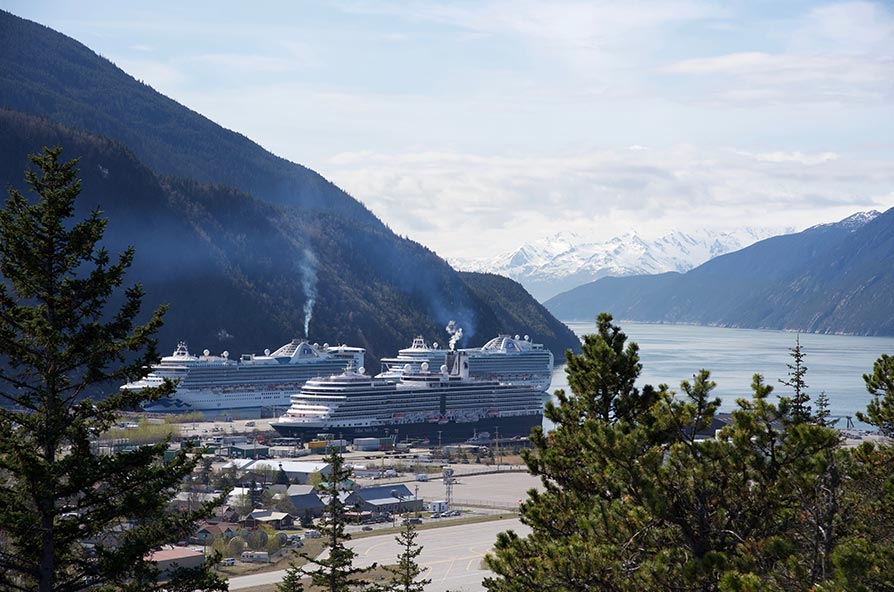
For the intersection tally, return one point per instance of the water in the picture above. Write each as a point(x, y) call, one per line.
point(672, 353)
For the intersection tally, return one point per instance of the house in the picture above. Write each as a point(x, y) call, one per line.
point(297, 471)
point(209, 530)
point(304, 498)
point(186, 501)
point(395, 498)
point(167, 560)
point(225, 513)
point(276, 520)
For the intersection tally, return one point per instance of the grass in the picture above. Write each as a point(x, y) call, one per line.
point(314, 547)
point(145, 433)
point(378, 575)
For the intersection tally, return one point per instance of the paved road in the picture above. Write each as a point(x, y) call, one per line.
point(451, 555)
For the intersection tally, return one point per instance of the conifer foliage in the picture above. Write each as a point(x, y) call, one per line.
point(335, 572)
point(642, 490)
point(406, 573)
point(71, 519)
point(797, 371)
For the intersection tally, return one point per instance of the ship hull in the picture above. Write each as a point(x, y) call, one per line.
point(445, 433)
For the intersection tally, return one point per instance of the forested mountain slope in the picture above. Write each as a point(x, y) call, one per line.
point(244, 245)
point(237, 271)
point(47, 74)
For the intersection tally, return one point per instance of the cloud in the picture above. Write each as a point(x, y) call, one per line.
point(500, 201)
point(836, 53)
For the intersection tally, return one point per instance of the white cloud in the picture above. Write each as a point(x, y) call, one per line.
point(473, 204)
point(839, 53)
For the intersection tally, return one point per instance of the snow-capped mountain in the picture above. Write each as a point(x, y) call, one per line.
point(557, 263)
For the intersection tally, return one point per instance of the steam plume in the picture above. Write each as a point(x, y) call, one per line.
point(309, 283)
point(456, 333)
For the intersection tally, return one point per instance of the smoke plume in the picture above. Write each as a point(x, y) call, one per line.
point(456, 333)
point(309, 283)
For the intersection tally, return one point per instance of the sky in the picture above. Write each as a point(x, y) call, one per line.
point(474, 127)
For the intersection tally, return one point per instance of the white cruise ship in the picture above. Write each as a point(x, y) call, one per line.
point(449, 407)
point(217, 383)
point(512, 360)
point(506, 359)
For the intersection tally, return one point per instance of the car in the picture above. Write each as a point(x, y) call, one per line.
point(413, 521)
point(228, 561)
point(367, 527)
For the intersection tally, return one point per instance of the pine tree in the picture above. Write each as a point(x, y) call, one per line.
point(60, 346)
point(880, 384)
point(798, 405)
point(282, 478)
point(291, 582)
point(639, 493)
point(407, 571)
point(822, 415)
point(336, 572)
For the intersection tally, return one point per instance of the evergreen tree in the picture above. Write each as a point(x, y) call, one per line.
point(880, 384)
point(255, 494)
point(822, 415)
point(798, 405)
point(407, 571)
point(640, 492)
point(291, 582)
point(282, 478)
point(60, 345)
point(336, 572)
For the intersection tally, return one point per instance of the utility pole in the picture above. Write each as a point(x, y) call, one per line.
point(497, 444)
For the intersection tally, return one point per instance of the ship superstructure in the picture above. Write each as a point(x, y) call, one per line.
point(219, 383)
point(506, 359)
point(512, 360)
point(440, 405)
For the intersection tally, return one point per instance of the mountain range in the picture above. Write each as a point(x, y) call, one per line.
point(249, 250)
point(555, 264)
point(831, 278)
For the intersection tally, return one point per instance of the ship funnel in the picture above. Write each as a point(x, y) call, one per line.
point(462, 362)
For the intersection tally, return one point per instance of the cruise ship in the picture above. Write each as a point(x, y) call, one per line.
point(217, 383)
point(440, 406)
point(507, 359)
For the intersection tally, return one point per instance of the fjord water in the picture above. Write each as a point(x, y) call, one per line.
point(672, 353)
